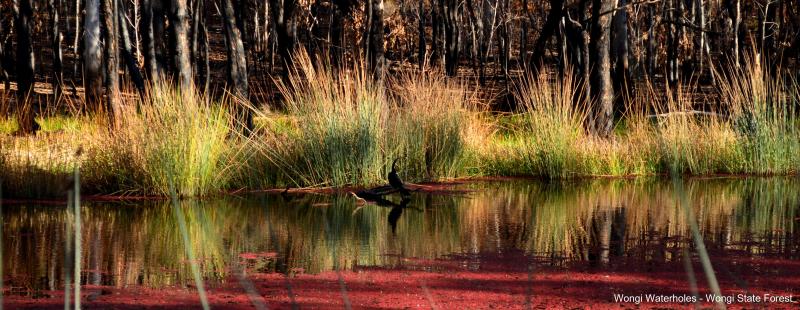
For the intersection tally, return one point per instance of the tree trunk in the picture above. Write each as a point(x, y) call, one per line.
point(179, 20)
point(206, 65)
point(700, 19)
point(549, 28)
point(58, 71)
point(673, 42)
point(148, 39)
point(375, 56)
point(603, 93)
point(436, 25)
point(92, 55)
point(504, 44)
point(26, 64)
point(77, 39)
point(127, 52)
point(451, 30)
point(4, 62)
point(237, 61)
point(159, 37)
point(577, 34)
point(651, 39)
point(737, 21)
point(111, 61)
point(620, 53)
point(421, 35)
point(282, 19)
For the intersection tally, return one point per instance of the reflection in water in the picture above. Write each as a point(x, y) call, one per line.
point(556, 223)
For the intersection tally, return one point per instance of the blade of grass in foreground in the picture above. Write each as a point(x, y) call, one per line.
point(76, 204)
point(187, 245)
point(1, 244)
point(705, 260)
point(68, 251)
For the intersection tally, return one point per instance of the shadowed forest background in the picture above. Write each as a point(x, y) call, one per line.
point(493, 87)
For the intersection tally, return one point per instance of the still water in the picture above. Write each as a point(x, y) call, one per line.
point(554, 223)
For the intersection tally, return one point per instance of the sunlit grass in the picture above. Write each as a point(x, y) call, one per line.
point(343, 128)
point(340, 127)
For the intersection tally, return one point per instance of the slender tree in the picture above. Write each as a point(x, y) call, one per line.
point(374, 34)
point(421, 45)
point(127, 50)
point(92, 55)
point(603, 91)
point(148, 45)
point(5, 62)
point(58, 71)
point(237, 59)
point(619, 52)
point(549, 28)
point(76, 38)
point(26, 64)
point(179, 23)
point(110, 52)
point(282, 20)
point(451, 37)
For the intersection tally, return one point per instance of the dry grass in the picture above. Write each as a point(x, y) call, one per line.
point(340, 127)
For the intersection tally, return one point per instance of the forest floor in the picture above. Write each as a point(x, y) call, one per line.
point(496, 280)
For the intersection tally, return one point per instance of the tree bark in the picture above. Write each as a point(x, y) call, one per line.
point(179, 20)
point(603, 93)
point(451, 30)
point(651, 39)
point(4, 62)
point(282, 19)
point(58, 71)
point(111, 61)
point(148, 44)
point(421, 35)
point(549, 28)
point(127, 52)
point(26, 65)
point(92, 55)
point(237, 61)
point(375, 55)
point(620, 52)
point(77, 38)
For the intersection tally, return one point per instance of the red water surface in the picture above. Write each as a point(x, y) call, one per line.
point(486, 281)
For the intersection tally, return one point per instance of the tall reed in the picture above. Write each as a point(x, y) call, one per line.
point(347, 128)
point(173, 136)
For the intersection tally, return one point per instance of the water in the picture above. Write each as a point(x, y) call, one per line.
point(557, 224)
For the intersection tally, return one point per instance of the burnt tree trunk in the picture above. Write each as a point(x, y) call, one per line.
point(159, 41)
point(26, 65)
point(504, 44)
point(451, 31)
point(58, 70)
point(111, 61)
point(237, 61)
point(620, 53)
point(602, 88)
point(127, 51)
point(374, 49)
point(282, 16)
point(549, 28)
point(421, 35)
point(578, 34)
point(179, 20)
point(4, 62)
point(651, 39)
point(148, 40)
point(77, 38)
point(92, 55)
